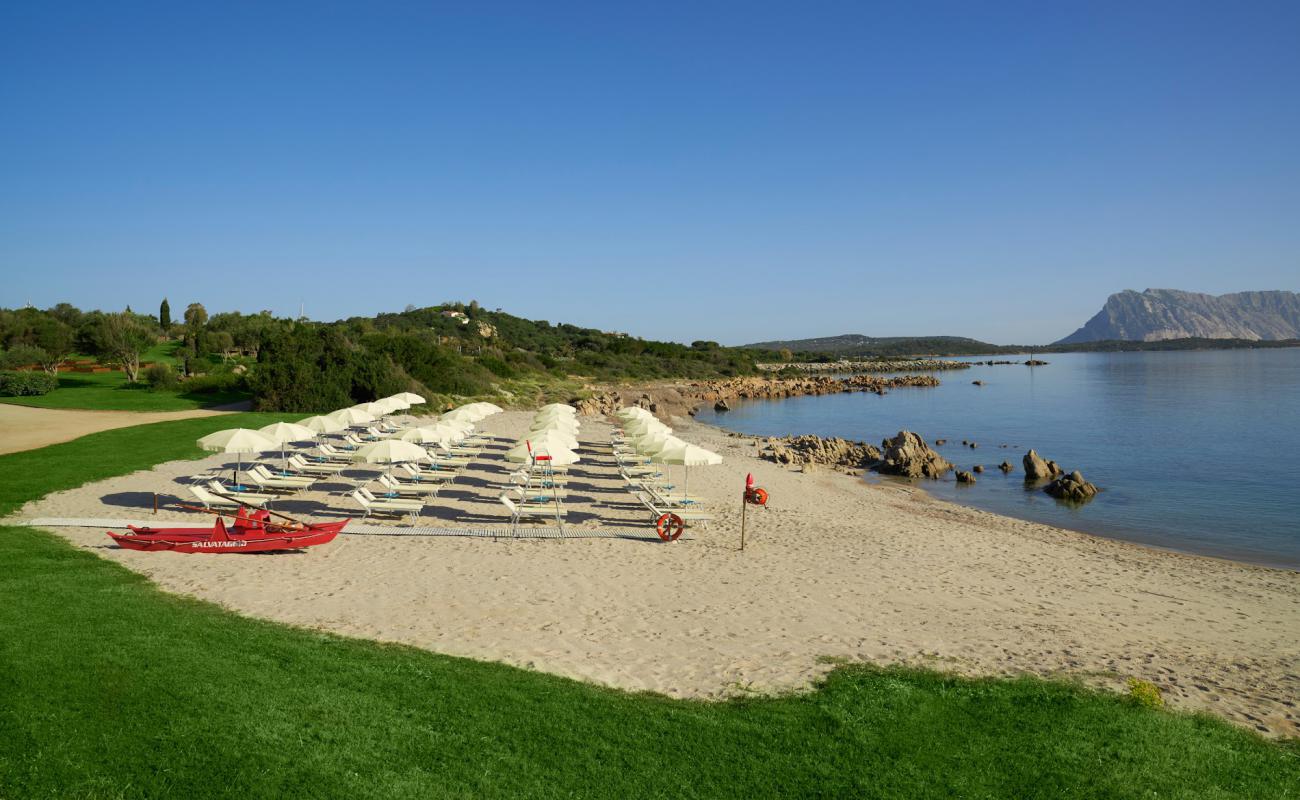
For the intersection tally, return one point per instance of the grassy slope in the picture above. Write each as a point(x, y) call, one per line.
point(110, 391)
point(109, 688)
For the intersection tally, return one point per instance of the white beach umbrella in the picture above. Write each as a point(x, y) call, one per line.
point(322, 424)
point(491, 408)
point(410, 398)
point(629, 413)
point(428, 435)
point(237, 441)
point(390, 451)
point(373, 409)
point(560, 416)
point(689, 456)
point(463, 413)
point(351, 416)
point(284, 432)
point(641, 427)
point(560, 456)
point(563, 423)
point(393, 404)
point(651, 444)
point(561, 408)
point(546, 440)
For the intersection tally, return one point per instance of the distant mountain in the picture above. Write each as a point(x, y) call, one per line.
point(1159, 314)
point(855, 344)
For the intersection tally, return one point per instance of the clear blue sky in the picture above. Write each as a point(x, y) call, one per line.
point(732, 171)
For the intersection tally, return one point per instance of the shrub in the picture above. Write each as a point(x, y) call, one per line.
point(215, 383)
point(497, 367)
point(27, 384)
point(161, 377)
point(1145, 693)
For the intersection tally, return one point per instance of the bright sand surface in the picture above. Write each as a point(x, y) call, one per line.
point(836, 570)
point(25, 428)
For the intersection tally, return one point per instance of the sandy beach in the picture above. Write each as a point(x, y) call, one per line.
point(26, 428)
point(836, 570)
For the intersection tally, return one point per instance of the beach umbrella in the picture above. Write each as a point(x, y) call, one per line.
point(457, 424)
point(560, 456)
point(390, 451)
point(629, 413)
point(652, 444)
point(562, 408)
point(393, 404)
point(491, 408)
point(564, 423)
point(284, 432)
point(688, 455)
point(427, 435)
point(322, 424)
point(373, 409)
point(410, 398)
point(553, 414)
point(351, 416)
point(641, 427)
point(463, 413)
point(549, 439)
point(237, 441)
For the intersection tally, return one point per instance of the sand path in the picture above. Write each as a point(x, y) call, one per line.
point(26, 428)
point(837, 569)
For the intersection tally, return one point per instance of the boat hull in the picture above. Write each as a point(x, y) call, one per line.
point(242, 538)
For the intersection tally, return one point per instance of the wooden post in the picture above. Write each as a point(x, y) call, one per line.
point(743, 503)
point(155, 503)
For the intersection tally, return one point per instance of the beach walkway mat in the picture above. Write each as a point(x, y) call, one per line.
point(361, 529)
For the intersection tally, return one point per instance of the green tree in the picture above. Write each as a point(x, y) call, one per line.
point(122, 337)
point(165, 316)
point(196, 316)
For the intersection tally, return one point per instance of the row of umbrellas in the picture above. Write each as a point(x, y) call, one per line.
point(651, 438)
point(405, 446)
point(553, 432)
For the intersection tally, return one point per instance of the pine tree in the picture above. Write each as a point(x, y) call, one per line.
point(165, 315)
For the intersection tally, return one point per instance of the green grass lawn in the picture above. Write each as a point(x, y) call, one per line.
point(111, 688)
point(110, 391)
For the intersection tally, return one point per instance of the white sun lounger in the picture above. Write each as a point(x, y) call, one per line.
point(211, 501)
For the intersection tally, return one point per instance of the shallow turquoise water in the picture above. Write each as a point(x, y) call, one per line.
point(1195, 451)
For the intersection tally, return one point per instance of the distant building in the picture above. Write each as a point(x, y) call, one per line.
point(460, 315)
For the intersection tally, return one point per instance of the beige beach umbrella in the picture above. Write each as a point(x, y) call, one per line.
point(284, 432)
point(375, 410)
point(390, 451)
point(237, 441)
point(651, 444)
point(559, 423)
point(393, 404)
point(561, 407)
point(351, 416)
point(410, 398)
point(551, 439)
point(640, 427)
point(428, 435)
point(463, 413)
point(560, 456)
point(689, 456)
point(322, 424)
point(629, 413)
point(491, 408)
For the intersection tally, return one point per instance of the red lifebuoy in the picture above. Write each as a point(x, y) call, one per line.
point(756, 496)
point(669, 527)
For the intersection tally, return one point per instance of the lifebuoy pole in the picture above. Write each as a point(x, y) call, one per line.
point(743, 502)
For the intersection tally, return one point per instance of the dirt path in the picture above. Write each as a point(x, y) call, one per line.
point(25, 428)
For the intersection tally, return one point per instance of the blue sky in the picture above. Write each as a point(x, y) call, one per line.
point(732, 171)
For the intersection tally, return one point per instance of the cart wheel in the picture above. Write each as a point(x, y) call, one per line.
point(670, 527)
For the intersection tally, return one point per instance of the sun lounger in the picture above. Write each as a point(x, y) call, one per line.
point(428, 475)
point(522, 509)
point(277, 485)
point(389, 507)
point(688, 515)
point(394, 487)
point(210, 500)
point(297, 463)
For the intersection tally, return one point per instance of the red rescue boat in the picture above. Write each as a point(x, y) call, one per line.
point(252, 532)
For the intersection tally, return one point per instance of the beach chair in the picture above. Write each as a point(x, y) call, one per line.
point(394, 487)
point(688, 515)
point(428, 475)
point(210, 501)
point(297, 463)
point(265, 481)
point(371, 505)
point(524, 509)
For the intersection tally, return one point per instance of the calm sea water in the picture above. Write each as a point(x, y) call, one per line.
point(1194, 451)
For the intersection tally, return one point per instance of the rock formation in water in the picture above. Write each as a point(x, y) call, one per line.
point(832, 451)
point(1158, 314)
point(907, 454)
point(1037, 468)
point(1071, 487)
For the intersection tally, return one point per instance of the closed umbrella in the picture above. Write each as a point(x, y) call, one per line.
point(238, 441)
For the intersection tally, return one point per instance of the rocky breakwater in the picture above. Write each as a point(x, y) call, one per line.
point(805, 451)
point(675, 399)
point(908, 455)
point(878, 365)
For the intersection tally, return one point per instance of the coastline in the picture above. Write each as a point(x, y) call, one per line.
point(838, 570)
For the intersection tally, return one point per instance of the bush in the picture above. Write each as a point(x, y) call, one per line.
point(215, 383)
point(1145, 693)
point(27, 384)
point(161, 377)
